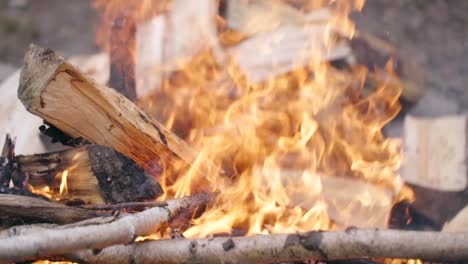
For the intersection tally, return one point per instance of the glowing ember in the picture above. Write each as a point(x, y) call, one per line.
point(277, 143)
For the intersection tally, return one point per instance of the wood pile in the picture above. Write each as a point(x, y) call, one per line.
point(95, 200)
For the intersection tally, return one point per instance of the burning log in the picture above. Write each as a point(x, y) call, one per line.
point(97, 174)
point(59, 93)
point(316, 245)
point(123, 230)
point(29, 209)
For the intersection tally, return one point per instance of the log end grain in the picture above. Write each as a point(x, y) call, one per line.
point(39, 67)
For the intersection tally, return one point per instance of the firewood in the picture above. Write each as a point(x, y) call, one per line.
point(436, 152)
point(122, 230)
point(6, 161)
point(97, 174)
point(316, 245)
point(29, 209)
point(55, 90)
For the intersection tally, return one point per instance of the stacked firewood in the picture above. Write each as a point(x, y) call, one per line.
point(106, 207)
point(100, 234)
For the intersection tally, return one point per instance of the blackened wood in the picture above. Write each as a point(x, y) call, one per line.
point(122, 62)
point(120, 178)
point(97, 174)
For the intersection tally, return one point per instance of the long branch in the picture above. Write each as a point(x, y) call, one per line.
point(123, 230)
point(289, 247)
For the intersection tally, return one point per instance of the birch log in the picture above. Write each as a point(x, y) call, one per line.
point(276, 248)
point(123, 230)
point(56, 91)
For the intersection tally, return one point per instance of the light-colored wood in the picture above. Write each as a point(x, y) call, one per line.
point(289, 47)
point(459, 223)
point(350, 201)
point(167, 42)
point(436, 152)
point(280, 248)
point(27, 208)
point(20, 124)
point(56, 91)
point(83, 235)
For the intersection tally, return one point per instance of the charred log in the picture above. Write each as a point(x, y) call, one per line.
point(97, 174)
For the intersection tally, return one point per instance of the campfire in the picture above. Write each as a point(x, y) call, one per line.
point(223, 132)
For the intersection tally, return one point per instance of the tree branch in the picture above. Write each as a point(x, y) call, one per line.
point(275, 248)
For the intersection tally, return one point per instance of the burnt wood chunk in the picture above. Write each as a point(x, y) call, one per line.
point(97, 174)
point(120, 178)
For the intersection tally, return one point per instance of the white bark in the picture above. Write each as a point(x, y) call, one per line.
point(288, 247)
point(94, 236)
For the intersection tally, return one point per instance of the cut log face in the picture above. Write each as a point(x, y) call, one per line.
point(56, 91)
point(436, 152)
point(97, 174)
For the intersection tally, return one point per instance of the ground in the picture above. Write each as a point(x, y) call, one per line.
point(431, 33)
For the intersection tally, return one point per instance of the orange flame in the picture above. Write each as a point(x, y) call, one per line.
point(63, 183)
point(281, 146)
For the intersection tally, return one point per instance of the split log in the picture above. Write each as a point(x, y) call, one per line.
point(316, 245)
point(123, 230)
point(168, 42)
point(96, 174)
point(29, 210)
point(436, 152)
point(55, 90)
point(459, 223)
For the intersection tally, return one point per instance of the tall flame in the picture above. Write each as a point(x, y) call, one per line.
point(277, 143)
point(63, 182)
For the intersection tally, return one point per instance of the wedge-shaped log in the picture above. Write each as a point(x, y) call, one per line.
point(56, 91)
point(96, 174)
